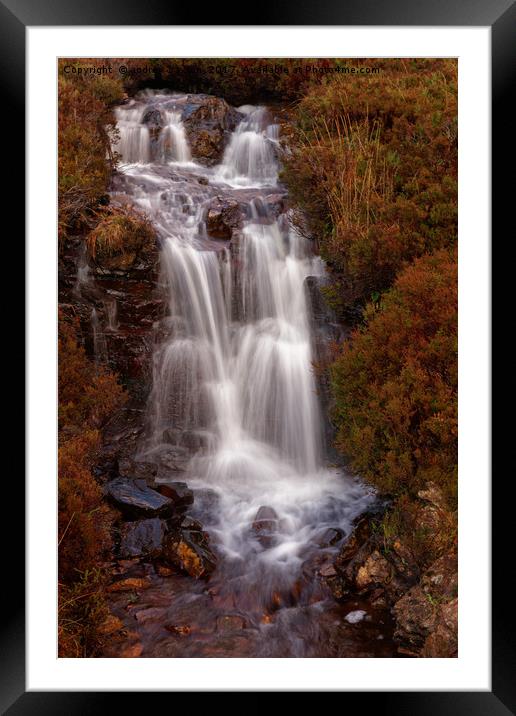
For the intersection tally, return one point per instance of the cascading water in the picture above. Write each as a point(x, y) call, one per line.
point(234, 398)
point(249, 157)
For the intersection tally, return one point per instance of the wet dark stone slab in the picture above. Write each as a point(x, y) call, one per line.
point(178, 493)
point(142, 538)
point(135, 498)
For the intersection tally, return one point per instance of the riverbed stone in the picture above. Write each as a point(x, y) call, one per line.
point(134, 498)
point(190, 552)
point(142, 538)
point(208, 123)
point(223, 216)
point(178, 493)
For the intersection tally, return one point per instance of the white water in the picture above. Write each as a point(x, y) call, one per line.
point(135, 144)
point(233, 370)
point(249, 159)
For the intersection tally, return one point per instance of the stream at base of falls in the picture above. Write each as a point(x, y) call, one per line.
point(234, 399)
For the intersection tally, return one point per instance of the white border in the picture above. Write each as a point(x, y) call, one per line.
point(471, 670)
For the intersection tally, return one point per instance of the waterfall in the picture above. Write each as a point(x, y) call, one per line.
point(249, 159)
point(233, 390)
point(147, 135)
point(134, 142)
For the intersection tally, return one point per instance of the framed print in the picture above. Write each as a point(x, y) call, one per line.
point(258, 364)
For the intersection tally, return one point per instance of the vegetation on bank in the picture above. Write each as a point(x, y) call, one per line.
point(395, 386)
point(88, 395)
point(372, 169)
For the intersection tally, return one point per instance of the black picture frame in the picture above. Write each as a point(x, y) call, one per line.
point(500, 16)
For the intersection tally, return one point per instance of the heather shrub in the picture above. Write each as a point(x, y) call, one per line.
point(374, 170)
point(395, 384)
point(88, 395)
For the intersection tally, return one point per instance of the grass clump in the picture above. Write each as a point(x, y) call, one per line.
point(120, 232)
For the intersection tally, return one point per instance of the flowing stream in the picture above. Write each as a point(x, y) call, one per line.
point(234, 397)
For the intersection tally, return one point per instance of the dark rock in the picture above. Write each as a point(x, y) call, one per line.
point(142, 539)
point(191, 439)
point(134, 497)
point(265, 526)
point(375, 571)
point(153, 118)
point(208, 123)
point(330, 537)
point(178, 493)
point(426, 615)
point(191, 554)
point(222, 217)
point(442, 642)
point(190, 524)
point(135, 470)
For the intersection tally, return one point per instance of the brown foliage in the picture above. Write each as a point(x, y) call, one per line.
point(375, 170)
point(121, 230)
point(396, 384)
point(87, 397)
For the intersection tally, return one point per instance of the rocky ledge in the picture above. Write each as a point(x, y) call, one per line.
point(384, 564)
point(153, 526)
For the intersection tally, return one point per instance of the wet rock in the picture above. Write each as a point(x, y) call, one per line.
point(415, 617)
point(223, 216)
point(265, 518)
point(164, 571)
point(190, 524)
point(178, 629)
point(178, 493)
point(134, 497)
point(230, 623)
point(191, 439)
point(173, 459)
point(208, 123)
point(110, 625)
point(265, 526)
point(328, 570)
point(426, 616)
point(330, 537)
point(130, 584)
point(443, 641)
point(349, 549)
point(135, 470)
point(190, 553)
point(143, 538)
point(375, 571)
point(152, 614)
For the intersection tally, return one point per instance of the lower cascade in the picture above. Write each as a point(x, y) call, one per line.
point(234, 408)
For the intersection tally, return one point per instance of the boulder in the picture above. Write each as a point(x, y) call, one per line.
point(223, 215)
point(426, 616)
point(132, 469)
point(142, 538)
point(135, 498)
point(190, 552)
point(375, 571)
point(208, 123)
point(330, 537)
point(178, 493)
point(442, 642)
point(415, 616)
point(265, 526)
